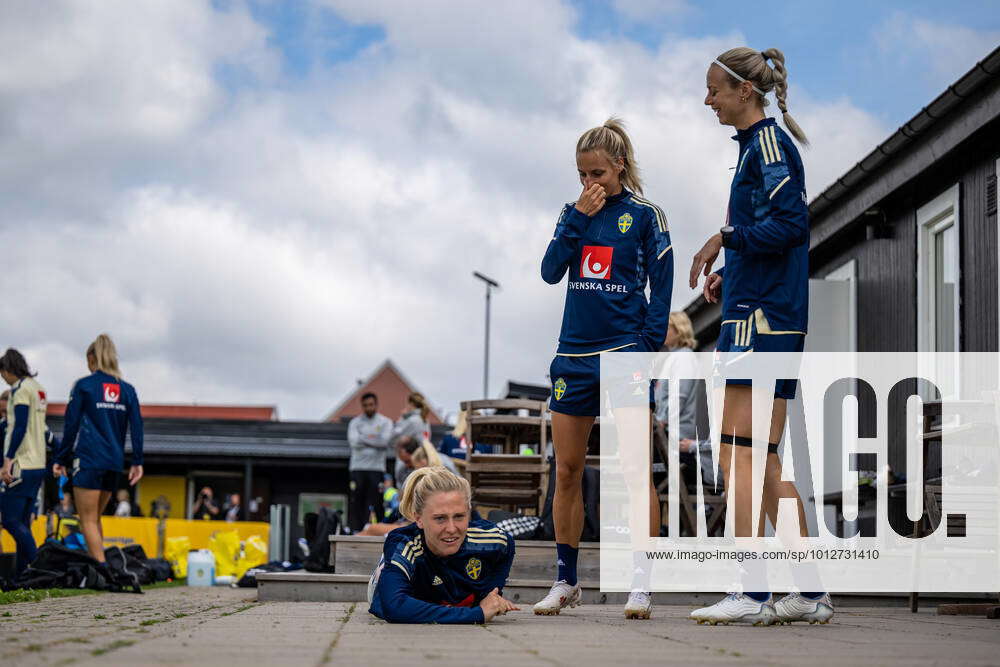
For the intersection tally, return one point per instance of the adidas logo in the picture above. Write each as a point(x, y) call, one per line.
point(560, 562)
point(437, 581)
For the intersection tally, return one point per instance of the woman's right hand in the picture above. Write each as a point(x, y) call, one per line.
point(704, 258)
point(58, 470)
point(591, 200)
point(496, 605)
point(713, 288)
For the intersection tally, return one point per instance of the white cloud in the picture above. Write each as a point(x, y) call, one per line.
point(942, 51)
point(272, 243)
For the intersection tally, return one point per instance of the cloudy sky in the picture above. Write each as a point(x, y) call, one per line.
point(260, 201)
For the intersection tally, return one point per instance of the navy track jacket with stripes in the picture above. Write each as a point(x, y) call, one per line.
point(101, 409)
point(609, 258)
point(416, 586)
point(767, 258)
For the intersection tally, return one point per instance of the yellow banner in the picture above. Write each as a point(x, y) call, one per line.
point(122, 532)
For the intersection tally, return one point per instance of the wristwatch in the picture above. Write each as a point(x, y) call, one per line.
point(727, 236)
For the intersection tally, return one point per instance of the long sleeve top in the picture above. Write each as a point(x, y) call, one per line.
point(610, 258)
point(416, 586)
point(369, 440)
point(101, 410)
point(767, 259)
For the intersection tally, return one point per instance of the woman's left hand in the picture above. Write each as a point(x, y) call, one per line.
point(5, 475)
point(134, 475)
point(705, 258)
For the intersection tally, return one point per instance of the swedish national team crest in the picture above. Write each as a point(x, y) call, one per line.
point(474, 568)
point(559, 388)
point(624, 222)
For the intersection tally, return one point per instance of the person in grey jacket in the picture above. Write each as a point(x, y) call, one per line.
point(369, 435)
point(414, 422)
point(680, 342)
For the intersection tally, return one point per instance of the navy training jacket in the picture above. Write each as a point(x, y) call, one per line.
point(767, 259)
point(416, 586)
point(610, 257)
point(101, 409)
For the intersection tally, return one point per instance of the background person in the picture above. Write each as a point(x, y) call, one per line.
point(441, 568)
point(110, 407)
point(206, 508)
point(413, 422)
point(682, 363)
point(233, 508)
point(764, 289)
point(24, 454)
point(612, 242)
point(369, 435)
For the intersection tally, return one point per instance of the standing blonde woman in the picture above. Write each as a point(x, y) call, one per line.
point(413, 421)
point(23, 454)
point(611, 242)
point(108, 407)
point(765, 297)
point(444, 567)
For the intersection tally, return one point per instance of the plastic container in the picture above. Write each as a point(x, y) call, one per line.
point(200, 568)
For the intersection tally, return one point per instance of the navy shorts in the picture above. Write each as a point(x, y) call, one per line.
point(95, 478)
point(754, 334)
point(576, 387)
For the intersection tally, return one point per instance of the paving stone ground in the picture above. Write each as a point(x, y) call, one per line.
point(222, 626)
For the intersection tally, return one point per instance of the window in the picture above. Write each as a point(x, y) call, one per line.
point(939, 278)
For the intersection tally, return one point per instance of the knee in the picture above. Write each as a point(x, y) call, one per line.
point(568, 475)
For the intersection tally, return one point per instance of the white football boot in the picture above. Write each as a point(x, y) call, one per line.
point(794, 607)
point(561, 595)
point(737, 608)
point(639, 605)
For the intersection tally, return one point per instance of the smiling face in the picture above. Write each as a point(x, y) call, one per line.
point(726, 99)
point(595, 167)
point(445, 520)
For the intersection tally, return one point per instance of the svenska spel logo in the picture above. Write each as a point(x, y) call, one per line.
point(624, 222)
point(559, 388)
point(112, 392)
point(596, 262)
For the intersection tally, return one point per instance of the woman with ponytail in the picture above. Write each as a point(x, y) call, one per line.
point(108, 408)
point(413, 422)
point(23, 445)
point(764, 289)
point(444, 567)
point(612, 243)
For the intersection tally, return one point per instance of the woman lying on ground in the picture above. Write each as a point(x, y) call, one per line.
point(442, 568)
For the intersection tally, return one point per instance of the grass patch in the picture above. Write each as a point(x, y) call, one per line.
point(117, 644)
point(236, 611)
point(99, 617)
point(152, 621)
point(166, 584)
point(180, 614)
point(34, 648)
point(21, 595)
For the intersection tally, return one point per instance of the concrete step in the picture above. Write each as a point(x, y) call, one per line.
point(303, 586)
point(351, 554)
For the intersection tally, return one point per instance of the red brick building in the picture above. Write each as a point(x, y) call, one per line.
point(391, 387)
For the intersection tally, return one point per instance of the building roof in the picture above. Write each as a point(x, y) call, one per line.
point(179, 411)
point(392, 388)
point(240, 440)
point(950, 119)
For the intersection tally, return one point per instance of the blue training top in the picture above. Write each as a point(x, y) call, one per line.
point(418, 587)
point(610, 257)
point(101, 409)
point(767, 258)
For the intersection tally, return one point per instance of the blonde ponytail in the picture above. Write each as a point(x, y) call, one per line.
point(418, 400)
point(424, 483)
point(752, 66)
point(426, 455)
point(612, 139)
point(105, 356)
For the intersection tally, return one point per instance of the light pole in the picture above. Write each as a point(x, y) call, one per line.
point(490, 284)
